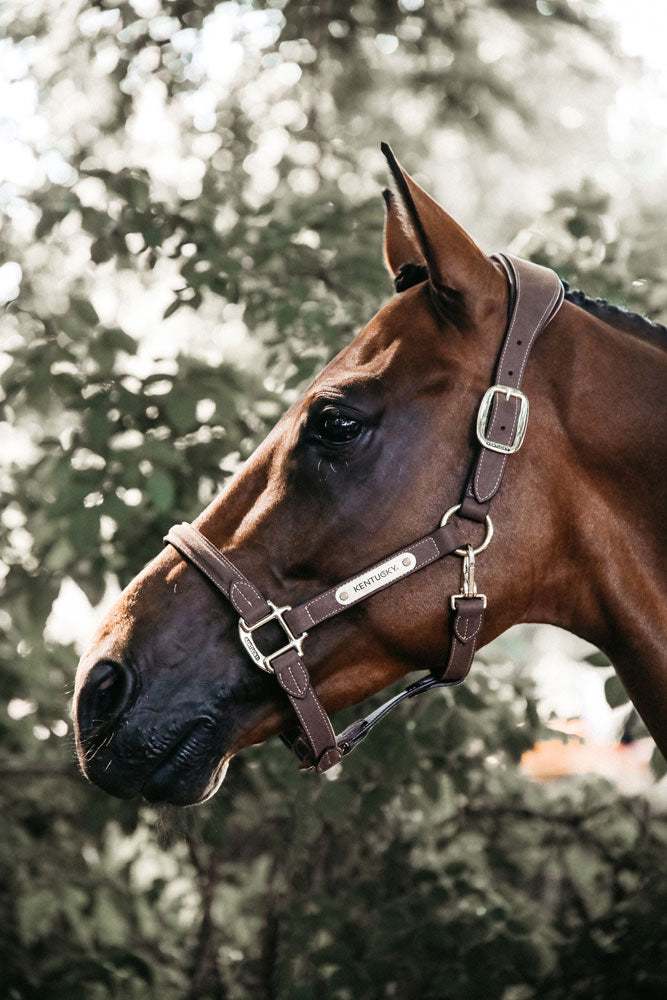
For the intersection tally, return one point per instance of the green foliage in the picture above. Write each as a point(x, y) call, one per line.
point(605, 248)
point(430, 868)
point(428, 861)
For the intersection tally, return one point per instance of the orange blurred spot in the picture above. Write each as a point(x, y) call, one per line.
point(627, 765)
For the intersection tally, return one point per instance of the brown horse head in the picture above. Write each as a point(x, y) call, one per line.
point(368, 459)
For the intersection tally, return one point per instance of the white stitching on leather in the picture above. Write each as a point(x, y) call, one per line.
point(485, 454)
point(538, 328)
point(235, 591)
point(216, 554)
point(315, 701)
point(191, 557)
point(485, 457)
point(426, 559)
point(332, 590)
point(467, 620)
point(515, 313)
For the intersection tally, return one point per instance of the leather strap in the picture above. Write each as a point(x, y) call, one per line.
point(252, 607)
point(295, 681)
point(223, 574)
point(359, 730)
point(466, 626)
point(426, 550)
point(536, 295)
point(289, 670)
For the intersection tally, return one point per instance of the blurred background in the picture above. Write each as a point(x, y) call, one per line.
point(191, 228)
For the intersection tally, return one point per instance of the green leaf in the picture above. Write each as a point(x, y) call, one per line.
point(181, 410)
point(134, 188)
point(590, 876)
point(117, 339)
point(94, 221)
point(152, 234)
point(84, 530)
point(171, 309)
point(597, 659)
point(161, 490)
point(59, 556)
point(36, 911)
point(101, 250)
point(109, 921)
point(614, 692)
point(467, 698)
point(52, 216)
point(85, 311)
point(658, 764)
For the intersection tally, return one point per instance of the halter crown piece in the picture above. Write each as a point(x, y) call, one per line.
point(536, 295)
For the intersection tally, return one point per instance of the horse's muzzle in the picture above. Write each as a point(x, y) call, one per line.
point(124, 750)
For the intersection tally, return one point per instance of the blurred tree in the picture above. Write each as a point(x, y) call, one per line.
point(216, 165)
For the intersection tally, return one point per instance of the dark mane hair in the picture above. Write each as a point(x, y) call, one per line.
point(414, 274)
point(615, 315)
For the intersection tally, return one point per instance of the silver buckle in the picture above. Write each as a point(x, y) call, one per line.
point(483, 417)
point(264, 662)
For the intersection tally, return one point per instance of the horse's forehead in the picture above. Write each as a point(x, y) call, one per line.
point(402, 333)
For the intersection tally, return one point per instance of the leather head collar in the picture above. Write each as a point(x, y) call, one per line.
point(536, 295)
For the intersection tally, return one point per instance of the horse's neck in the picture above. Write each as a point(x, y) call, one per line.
point(610, 399)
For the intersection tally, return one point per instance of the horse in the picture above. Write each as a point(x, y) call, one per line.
point(213, 646)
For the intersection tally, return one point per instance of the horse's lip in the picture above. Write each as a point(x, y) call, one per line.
point(183, 774)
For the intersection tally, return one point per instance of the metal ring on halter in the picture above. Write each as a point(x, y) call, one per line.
point(487, 538)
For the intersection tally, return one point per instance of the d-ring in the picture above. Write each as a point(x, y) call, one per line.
point(487, 538)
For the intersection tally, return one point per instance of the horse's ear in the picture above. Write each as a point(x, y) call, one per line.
point(419, 231)
point(400, 246)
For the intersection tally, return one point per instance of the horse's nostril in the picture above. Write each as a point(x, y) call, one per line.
point(104, 696)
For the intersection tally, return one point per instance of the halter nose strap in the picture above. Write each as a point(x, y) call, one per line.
point(323, 748)
point(536, 295)
point(254, 609)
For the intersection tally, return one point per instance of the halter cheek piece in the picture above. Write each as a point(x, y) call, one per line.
point(536, 295)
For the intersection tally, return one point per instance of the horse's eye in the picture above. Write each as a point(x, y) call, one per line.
point(333, 427)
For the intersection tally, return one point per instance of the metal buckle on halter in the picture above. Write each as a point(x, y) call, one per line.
point(468, 585)
point(264, 661)
point(521, 424)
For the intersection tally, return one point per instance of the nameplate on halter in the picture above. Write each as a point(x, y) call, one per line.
point(374, 579)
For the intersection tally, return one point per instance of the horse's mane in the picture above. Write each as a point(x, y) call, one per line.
point(615, 315)
point(414, 274)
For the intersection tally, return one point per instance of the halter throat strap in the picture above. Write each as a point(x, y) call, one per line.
point(536, 295)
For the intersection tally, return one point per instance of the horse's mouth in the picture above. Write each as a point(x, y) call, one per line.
point(185, 769)
point(190, 771)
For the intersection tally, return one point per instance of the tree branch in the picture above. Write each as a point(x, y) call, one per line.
point(206, 977)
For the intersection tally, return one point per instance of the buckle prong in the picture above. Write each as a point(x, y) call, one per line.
point(521, 423)
point(265, 660)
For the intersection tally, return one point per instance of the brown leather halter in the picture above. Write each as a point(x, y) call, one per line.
point(536, 295)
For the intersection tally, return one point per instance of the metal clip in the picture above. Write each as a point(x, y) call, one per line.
point(468, 585)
